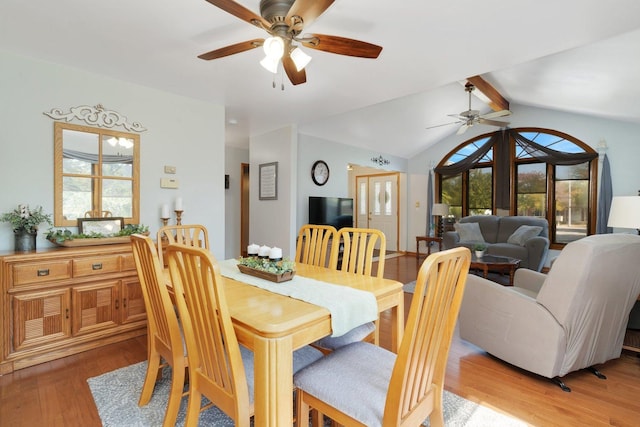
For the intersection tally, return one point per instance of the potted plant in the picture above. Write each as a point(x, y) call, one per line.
point(25, 222)
point(479, 249)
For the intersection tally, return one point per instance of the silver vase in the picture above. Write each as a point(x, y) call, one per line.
point(25, 241)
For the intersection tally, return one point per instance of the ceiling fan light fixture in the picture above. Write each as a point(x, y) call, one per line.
point(274, 47)
point(270, 64)
point(299, 58)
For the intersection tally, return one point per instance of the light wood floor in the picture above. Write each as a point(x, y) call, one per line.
point(57, 394)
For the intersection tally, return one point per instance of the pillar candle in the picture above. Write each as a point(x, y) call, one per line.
point(275, 253)
point(178, 203)
point(165, 211)
point(253, 249)
point(264, 251)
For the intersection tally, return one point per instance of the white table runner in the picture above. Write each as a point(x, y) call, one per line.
point(349, 307)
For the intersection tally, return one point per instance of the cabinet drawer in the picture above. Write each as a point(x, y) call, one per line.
point(95, 266)
point(41, 272)
point(128, 262)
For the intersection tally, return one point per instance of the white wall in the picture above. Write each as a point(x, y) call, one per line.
point(182, 132)
point(273, 222)
point(621, 138)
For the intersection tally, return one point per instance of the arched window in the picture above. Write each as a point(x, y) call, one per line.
point(524, 171)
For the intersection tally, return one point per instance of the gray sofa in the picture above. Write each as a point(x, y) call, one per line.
point(504, 237)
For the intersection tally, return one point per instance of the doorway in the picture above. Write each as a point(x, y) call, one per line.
point(377, 201)
point(244, 208)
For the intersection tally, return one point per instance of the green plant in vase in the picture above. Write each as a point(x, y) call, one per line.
point(25, 222)
point(479, 249)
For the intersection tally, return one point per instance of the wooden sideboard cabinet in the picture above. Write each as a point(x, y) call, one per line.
point(61, 301)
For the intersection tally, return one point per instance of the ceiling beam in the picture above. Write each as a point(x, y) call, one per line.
point(496, 101)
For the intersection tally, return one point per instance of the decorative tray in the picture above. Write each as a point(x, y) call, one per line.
point(273, 277)
point(93, 241)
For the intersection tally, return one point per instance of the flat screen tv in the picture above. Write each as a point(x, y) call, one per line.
point(336, 211)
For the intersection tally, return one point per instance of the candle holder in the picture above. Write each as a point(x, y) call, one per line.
point(179, 217)
point(165, 222)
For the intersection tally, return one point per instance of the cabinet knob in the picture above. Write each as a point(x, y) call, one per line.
point(97, 266)
point(43, 272)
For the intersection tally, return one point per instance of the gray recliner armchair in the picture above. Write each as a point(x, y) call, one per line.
point(572, 318)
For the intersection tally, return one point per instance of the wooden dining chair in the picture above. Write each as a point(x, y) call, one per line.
point(357, 256)
point(312, 245)
point(219, 368)
point(362, 384)
point(189, 234)
point(163, 330)
point(359, 250)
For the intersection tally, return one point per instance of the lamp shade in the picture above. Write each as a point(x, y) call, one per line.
point(625, 212)
point(273, 47)
point(440, 209)
point(300, 59)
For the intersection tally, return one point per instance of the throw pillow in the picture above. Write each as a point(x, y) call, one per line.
point(524, 233)
point(469, 232)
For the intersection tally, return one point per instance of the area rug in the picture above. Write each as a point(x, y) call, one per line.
point(116, 395)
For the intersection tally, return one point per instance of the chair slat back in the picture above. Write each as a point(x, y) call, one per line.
point(358, 253)
point(216, 367)
point(312, 246)
point(191, 235)
point(418, 375)
point(162, 323)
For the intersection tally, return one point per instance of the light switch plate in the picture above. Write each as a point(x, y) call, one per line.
point(169, 169)
point(168, 183)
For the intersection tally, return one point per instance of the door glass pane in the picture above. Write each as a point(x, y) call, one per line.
point(387, 198)
point(376, 199)
point(363, 199)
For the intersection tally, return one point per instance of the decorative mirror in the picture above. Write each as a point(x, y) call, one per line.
point(95, 170)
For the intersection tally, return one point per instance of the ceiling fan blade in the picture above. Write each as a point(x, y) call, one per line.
point(341, 45)
point(232, 49)
point(495, 114)
point(444, 124)
point(463, 129)
point(492, 122)
point(296, 77)
point(308, 10)
point(239, 11)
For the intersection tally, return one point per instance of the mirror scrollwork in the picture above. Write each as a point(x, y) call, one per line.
point(95, 170)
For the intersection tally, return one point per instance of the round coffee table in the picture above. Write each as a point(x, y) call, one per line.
point(495, 263)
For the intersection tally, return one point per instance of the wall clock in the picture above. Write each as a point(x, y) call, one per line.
point(320, 172)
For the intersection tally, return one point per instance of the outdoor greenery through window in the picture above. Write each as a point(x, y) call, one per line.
point(546, 174)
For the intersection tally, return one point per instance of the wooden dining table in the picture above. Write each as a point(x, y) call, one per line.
point(273, 326)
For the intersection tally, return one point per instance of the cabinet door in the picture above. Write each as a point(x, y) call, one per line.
point(95, 306)
point(40, 318)
point(133, 308)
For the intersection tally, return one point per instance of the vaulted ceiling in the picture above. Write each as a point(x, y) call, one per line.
point(572, 55)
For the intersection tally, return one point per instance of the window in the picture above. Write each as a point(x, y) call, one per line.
point(528, 172)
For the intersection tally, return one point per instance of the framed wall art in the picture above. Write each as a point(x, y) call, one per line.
point(268, 178)
point(105, 226)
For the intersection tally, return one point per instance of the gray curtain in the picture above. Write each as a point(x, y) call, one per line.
point(429, 201)
point(604, 200)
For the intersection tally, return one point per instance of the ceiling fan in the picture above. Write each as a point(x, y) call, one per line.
point(471, 117)
point(285, 20)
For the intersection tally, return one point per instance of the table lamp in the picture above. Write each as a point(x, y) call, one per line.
point(440, 210)
point(625, 212)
